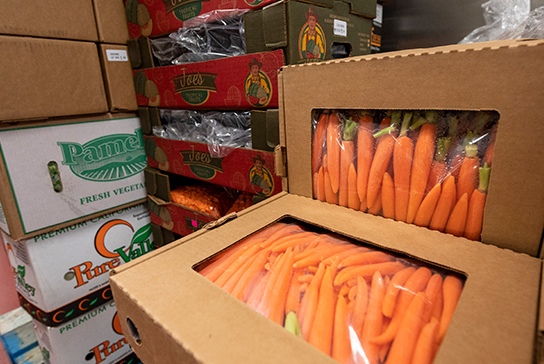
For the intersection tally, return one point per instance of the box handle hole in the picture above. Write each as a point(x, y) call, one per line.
point(134, 332)
point(54, 174)
point(340, 50)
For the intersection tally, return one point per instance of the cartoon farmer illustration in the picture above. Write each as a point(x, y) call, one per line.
point(312, 40)
point(259, 177)
point(257, 85)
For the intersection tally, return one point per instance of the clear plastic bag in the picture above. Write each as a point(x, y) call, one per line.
point(426, 167)
point(216, 39)
point(501, 17)
point(222, 131)
point(354, 302)
point(531, 27)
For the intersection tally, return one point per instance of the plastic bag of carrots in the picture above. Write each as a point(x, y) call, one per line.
point(355, 303)
point(428, 168)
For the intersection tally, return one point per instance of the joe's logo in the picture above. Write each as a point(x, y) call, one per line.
point(108, 158)
point(183, 9)
point(195, 88)
point(202, 164)
point(140, 244)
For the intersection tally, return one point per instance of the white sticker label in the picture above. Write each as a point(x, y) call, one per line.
point(117, 55)
point(379, 14)
point(340, 28)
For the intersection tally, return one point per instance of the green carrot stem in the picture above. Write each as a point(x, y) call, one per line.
point(291, 324)
point(350, 130)
point(485, 173)
point(442, 147)
point(432, 116)
point(429, 118)
point(395, 119)
point(469, 138)
point(364, 113)
point(406, 122)
point(453, 126)
point(471, 150)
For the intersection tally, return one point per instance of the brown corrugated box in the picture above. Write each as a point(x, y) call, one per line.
point(180, 316)
point(117, 74)
point(111, 21)
point(44, 78)
point(66, 19)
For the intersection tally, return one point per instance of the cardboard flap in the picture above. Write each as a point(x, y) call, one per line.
point(274, 23)
point(272, 127)
point(161, 236)
point(134, 53)
point(219, 222)
point(265, 129)
point(157, 184)
point(539, 345)
point(280, 161)
point(150, 117)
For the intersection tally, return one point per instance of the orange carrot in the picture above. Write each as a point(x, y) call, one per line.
point(445, 204)
point(402, 349)
point(365, 153)
point(309, 303)
point(382, 157)
point(388, 197)
point(458, 218)
point(402, 166)
point(373, 320)
point(377, 207)
point(425, 348)
point(286, 230)
point(357, 316)
point(476, 205)
point(315, 180)
point(371, 257)
point(434, 287)
point(416, 283)
point(266, 304)
point(347, 153)
point(468, 174)
point(337, 258)
point(353, 198)
point(280, 290)
point(341, 347)
point(255, 294)
point(322, 327)
point(304, 238)
point(439, 167)
point(333, 150)
point(458, 153)
point(348, 273)
point(231, 269)
point(292, 302)
point(393, 288)
point(421, 166)
point(330, 195)
point(233, 280)
point(320, 185)
point(320, 255)
point(319, 141)
point(488, 157)
point(438, 305)
point(240, 289)
point(451, 290)
point(427, 207)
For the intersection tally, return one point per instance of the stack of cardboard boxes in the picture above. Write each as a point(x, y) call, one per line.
point(72, 185)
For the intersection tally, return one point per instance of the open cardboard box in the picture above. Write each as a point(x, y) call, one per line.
point(496, 318)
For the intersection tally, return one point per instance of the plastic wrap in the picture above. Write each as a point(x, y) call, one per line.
point(353, 302)
point(531, 27)
point(211, 200)
point(501, 17)
point(428, 168)
point(220, 130)
point(203, 42)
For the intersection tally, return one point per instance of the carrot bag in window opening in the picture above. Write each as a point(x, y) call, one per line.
point(353, 302)
point(424, 167)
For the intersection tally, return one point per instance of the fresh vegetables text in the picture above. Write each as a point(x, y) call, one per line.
point(429, 168)
point(355, 303)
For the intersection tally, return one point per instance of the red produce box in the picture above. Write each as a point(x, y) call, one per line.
point(243, 82)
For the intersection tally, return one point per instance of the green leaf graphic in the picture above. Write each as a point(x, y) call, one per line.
point(142, 234)
point(69, 313)
point(94, 301)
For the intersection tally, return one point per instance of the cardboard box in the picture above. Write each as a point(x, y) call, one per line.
point(243, 169)
point(67, 19)
point(94, 337)
point(308, 32)
point(111, 21)
point(43, 78)
point(208, 325)
point(265, 129)
point(74, 170)
point(223, 84)
point(477, 76)
point(156, 17)
point(117, 74)
point(63, 274)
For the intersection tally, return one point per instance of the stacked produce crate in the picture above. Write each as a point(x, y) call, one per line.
point(204, 73)
point(72, 183)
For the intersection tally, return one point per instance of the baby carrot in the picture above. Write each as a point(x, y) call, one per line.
point(393, 288)
point(439, 167)
point(320, 185)
point(402, 166)
point(365, 153)
point(292, 302)
point(458, 218)
point(388, 197)
point(445, 204)
point(341, 347)
point(348, 273)
point(337, 258)
point(280, 290)
point(402, 349)
point(235, 278)
point(476, 205)
point(231, 269)
point(434, 287)
point(240, 289)
point(358, 313)
point(371, 257)
point(353, 198)
point(373, 320)
point(347, 153)
point(451, 290)
point(304, 238)
point(490, 151)
point(319, 141)
point(377, 207)
point(427, 207)
point(421, 166)
point(425, 348)
point(286, 230)
point(322, 327)
point(309, 303)
point(320, 255)
point(330, 195)
point(268, 300)
point(468, 174)
point(333, 150)
point(382, 157)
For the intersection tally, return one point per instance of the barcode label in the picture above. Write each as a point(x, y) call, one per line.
point(117, 55)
